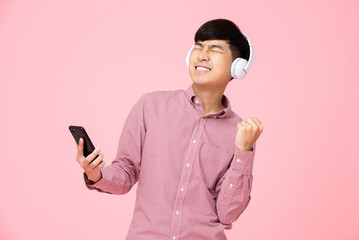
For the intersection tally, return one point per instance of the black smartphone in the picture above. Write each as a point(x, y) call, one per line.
point(80, 132)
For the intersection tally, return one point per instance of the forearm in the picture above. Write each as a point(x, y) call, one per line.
point(115, 180)
point(235, 187)
point(232, 201)
point(120, 176)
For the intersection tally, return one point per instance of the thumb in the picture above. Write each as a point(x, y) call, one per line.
point(80, 148)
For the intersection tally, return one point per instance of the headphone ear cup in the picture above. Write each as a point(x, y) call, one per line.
point(237, 68)
point(188, 55)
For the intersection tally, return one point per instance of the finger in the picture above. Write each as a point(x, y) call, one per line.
point(252, 123)
point(101, 165)
point(256, 129)
point(246, 125)
point(96, 162)
point(92, 155)
point(80, 149)
point(241, 124)
point(259, 124)
point(257, 120)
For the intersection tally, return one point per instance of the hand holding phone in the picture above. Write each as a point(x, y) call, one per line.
point(91, 165)
point(89, 158)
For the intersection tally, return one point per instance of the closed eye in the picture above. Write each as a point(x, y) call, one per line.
point(213, 48)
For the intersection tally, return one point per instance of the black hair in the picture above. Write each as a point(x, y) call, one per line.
point(223, 29)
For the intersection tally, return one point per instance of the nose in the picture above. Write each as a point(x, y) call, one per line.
point(203, 55)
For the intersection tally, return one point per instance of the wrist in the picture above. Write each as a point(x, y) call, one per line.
point(95, 179)
point(245, 149)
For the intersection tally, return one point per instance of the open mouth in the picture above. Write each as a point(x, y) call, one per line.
point(202, 69)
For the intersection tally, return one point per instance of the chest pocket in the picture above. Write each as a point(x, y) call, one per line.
point(213, 163)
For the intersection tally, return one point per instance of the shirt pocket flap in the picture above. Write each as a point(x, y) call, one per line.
point(213, 163)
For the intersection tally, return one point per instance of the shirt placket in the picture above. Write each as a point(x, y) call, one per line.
point(184, 181)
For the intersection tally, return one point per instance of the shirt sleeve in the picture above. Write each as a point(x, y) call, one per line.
point(120, 176)
point(235, 186)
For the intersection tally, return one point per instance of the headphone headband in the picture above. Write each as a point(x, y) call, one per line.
point(248, 67)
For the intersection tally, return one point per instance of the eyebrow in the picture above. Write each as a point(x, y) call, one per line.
point(211, 46)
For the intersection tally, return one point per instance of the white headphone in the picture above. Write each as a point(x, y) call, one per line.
point(240, 66)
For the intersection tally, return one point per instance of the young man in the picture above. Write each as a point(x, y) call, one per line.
point(190, 153)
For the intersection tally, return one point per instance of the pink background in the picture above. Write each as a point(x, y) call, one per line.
point(87, 62)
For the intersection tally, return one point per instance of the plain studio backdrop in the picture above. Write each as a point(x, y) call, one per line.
point(87, 62)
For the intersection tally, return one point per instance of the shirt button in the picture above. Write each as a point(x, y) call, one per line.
point(177, 212)
point(238, 160)
point(231, 185)
point(182, 189)
point(197, 101)
point(214, 116)
point(187, 164)
point(194, 141)
point(173, 237)
point(201, 119)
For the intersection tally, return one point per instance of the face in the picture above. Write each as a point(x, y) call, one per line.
point(210, 63)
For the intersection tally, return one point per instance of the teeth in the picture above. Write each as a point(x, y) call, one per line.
point(203, 69)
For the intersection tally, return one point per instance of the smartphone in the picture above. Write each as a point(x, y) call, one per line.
point(80, 132)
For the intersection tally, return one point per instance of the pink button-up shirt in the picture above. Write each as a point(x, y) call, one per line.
point(193, 182)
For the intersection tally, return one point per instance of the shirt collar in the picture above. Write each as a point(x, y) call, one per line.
point(191, 96)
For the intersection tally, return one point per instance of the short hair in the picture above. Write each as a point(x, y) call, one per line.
point(223, 29)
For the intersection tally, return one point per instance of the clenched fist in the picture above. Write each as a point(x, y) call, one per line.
point(248, 132)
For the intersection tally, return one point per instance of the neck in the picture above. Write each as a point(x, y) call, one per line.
point(211, 99)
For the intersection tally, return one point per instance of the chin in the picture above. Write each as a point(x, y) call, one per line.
point(200, 79)
point(202, 82)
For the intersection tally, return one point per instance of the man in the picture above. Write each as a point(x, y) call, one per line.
point(190, 153)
